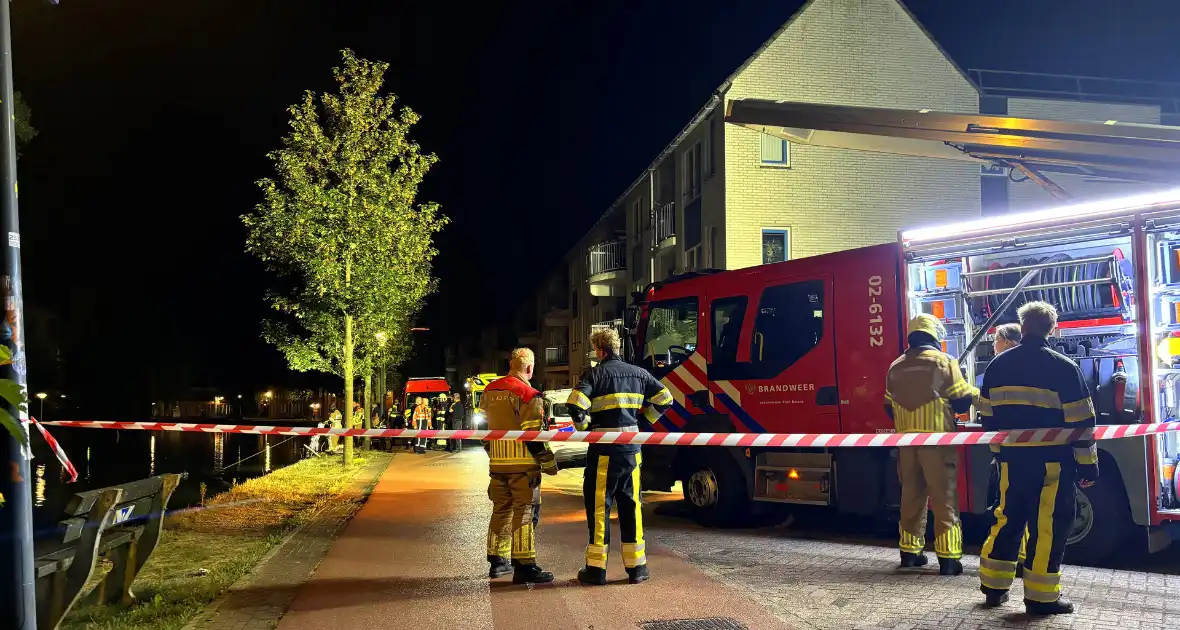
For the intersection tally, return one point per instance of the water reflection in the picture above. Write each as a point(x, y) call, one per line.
point(39, 497)
point(115, 457)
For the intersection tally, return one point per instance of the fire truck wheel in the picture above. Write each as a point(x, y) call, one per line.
point(1102, 520)
point(716, 492)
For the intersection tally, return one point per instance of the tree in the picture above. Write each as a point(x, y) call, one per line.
point(339, 227)
point(25, 132)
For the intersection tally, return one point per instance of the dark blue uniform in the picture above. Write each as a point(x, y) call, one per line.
point(619, 397)
point(1033, 387)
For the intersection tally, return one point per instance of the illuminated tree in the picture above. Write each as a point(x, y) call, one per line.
point(340, 229)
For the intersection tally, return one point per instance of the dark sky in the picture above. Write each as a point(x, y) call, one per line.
point(154, 119)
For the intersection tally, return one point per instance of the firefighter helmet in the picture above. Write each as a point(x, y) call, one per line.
point(929, 324)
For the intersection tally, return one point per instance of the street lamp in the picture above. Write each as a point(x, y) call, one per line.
point(42, 396)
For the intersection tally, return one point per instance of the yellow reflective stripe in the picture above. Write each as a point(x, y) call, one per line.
point(888, 397)
point(1086, 454)
point(596, 556)
point(932, 417)
point(616, 401)
point(635, 556)
point(1001, 518)
point(1020, 553)
point(998, 566)
point(950, 543)
point(578, 399)
point(498, 546)
point(983, 406)
point(651, 413)
point(524, 545)
point(911, 543)
point(995, 448)
point(1079, 410)
point(1040, 563)
point(1020, 395)
point(662, 397)
point(1042, 587)
point(959, 389)
point(509, 452)
point(600, 514)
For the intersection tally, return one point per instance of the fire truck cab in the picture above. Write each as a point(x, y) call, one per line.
point(803, 347)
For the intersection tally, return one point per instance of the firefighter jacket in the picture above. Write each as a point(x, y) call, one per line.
point(421, 418)
point(510, 404)
point(922, 388)
point(1033, 387)
point(619, 397)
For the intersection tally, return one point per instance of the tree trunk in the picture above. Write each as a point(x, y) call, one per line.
point(366, 442)
point(349, 386)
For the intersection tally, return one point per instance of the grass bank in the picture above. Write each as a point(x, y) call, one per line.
point(205, 550)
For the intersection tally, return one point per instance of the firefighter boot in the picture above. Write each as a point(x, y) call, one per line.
point(993, 597)
point(911, 560)
point(500, 567)
point(950, 566)
point(1060, 607)
point(593, 576)
point(638, 574)
point(529, 574)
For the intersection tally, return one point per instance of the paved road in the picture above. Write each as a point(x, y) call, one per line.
point(414, 556)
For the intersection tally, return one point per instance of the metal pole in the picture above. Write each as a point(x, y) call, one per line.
point(18, 604)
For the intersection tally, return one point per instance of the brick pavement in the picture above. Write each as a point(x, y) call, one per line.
point(823, 584)
point(260, 598)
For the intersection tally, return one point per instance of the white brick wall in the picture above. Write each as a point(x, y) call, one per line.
point(1025, 195)
point(845, 52)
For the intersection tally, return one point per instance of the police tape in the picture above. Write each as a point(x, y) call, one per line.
point(799, 440)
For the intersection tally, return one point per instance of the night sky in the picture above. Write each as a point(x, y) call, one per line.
point(154, 118)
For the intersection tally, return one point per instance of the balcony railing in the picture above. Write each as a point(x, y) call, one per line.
point(664, 223)
point(559, 355)
point(607, 257)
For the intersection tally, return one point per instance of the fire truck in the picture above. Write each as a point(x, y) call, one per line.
point(803, 346)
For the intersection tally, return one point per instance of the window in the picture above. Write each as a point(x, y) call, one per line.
point(692, 173)
point(775, 151)
point(670, 335)
point(728, 314)
point(789, 324)
point(712, 144)
point(636, 261)
point(637, 212)
point(776, 245)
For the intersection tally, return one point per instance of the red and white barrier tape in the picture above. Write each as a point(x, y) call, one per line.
point(804, 440)
point(57, 450)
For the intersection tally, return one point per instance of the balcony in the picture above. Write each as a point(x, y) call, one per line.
point(557, 359)
point(664, 227)
point(606, 266)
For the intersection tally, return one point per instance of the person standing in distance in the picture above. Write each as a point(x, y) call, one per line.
point(923, 389)
point(1034, 387)
point(618, 397)
point(515, 468)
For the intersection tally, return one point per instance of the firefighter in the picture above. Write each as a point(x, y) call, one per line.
point(1007, 337)
point(421, 421)
point(1034, 387)
point(922, 389)
point(618, 397)
point(515, 469)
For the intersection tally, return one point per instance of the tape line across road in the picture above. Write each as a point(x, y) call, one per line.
point(800, 440)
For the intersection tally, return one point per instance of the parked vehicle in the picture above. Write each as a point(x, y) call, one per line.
point(568, 454)
point(803, 347)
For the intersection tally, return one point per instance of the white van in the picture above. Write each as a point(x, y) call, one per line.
point(568, 454)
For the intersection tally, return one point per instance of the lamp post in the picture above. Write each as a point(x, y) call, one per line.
point(42, 396)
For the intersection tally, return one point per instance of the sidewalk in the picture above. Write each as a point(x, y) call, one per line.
point(414, 557)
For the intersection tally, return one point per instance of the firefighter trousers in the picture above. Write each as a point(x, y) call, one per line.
point(516, 511)
point(612, 479)
point(1037, 501)
point(930, 474)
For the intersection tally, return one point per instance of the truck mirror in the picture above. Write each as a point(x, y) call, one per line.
point(631, 321)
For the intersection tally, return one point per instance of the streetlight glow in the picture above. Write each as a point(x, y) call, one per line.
point(42, 395)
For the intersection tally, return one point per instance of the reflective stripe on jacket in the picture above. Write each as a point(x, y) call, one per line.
point(617, 395)
point(919, 388)
point(510, 404)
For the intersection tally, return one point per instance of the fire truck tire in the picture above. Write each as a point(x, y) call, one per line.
point(1102, 519)
point(715, 491)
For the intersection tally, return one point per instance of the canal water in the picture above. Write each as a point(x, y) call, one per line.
point(105, 457)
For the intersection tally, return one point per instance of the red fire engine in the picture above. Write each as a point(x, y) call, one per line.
point(803, 347)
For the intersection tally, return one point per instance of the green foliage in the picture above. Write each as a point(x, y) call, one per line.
point(339, 227)
point(25, 132)
point(14, 395)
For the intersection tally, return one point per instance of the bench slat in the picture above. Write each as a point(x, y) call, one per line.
point(125, 511)
point(144, 488)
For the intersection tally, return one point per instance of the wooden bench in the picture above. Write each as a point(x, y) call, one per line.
point(122, 523)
